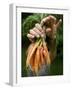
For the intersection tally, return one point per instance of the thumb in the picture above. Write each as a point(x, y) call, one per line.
point(58, 23)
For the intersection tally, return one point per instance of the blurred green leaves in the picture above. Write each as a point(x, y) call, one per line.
point(29, 23)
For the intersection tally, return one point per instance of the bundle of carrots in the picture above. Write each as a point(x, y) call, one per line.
point(37, 55)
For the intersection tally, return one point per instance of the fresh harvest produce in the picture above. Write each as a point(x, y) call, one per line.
point(37, 55)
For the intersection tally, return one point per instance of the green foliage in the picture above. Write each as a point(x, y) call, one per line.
point(29, 23)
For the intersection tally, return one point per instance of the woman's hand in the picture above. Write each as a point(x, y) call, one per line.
point(50, 29)
point(52, 25)
point(37, 32)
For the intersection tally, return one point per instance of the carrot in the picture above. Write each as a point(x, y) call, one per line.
point(45, 46)
point(29, 52)
point(46, 53)
point(42, 57)
point(30, 48)
point(37, 59)
point(32, 62)
point(32, 52)
point(40, 62)
point(46, 56)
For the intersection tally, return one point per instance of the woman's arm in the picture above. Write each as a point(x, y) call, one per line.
point(52, 49)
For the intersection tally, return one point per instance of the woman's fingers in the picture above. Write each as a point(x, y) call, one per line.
point(40, 30)
point(58, 23)
point(49, 19)
point(32, 32)
point(48, 30)
point(30, 36)
point(32, 40)
point(38, 26)
point(37, 31)
point(45, 20)
point(53, 19)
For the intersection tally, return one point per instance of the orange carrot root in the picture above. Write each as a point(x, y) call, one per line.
point(37, 55)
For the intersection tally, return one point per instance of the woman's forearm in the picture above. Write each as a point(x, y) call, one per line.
point(52, 50)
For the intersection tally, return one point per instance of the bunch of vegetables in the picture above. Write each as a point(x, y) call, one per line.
point(37, 54)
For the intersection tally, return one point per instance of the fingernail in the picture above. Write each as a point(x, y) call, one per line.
point(38, 36)
point(60, 20)
point(42, 35)
point(27, 35)
point(33, 36)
